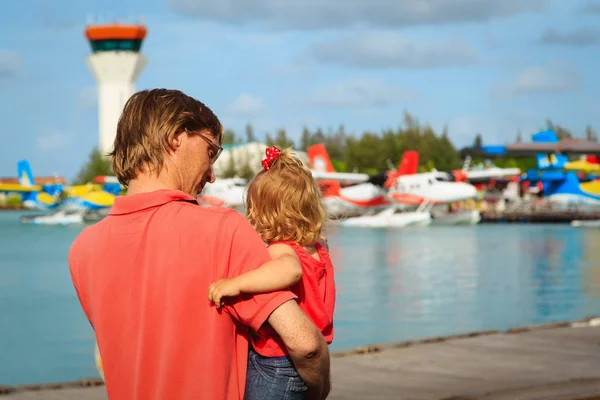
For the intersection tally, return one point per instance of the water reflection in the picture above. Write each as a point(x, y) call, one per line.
point(403, 284)
point(589, 258)
point(44, 336)
point(557, 274)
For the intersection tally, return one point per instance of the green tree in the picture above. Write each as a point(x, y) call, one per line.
point(14, 200)
point(372, 151)
point(318, 137)
point(305, 139)
point(229, 137)
point(590, 134)
point(338, 166)
point(250, 137)
point(97, 165)
point(281, 139)
point(230, 171)
point(335, 143)
point(269, 140)
point(245, 170)
point(561, 132)
point(478, 142)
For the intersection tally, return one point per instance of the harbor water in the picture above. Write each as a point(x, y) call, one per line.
point(392, 285)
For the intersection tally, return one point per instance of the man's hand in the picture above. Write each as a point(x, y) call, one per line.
point(222, 288)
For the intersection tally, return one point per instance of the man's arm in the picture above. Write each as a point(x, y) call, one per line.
point(306, 347)
point(245, 251)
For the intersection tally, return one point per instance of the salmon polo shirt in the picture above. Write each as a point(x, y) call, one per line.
point(142, 276)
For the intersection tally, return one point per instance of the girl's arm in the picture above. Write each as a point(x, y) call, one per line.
point(282, 271)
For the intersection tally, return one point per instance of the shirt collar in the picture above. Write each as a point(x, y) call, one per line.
point(136, 202)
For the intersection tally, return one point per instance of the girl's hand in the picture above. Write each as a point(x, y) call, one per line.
point(222, 288)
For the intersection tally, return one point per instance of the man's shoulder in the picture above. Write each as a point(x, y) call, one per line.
point(87, 239)
point(86, 236)
point(188, 211)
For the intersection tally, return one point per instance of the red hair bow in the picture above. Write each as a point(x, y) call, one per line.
point(271, 154)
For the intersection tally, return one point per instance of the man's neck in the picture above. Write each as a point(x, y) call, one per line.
point(145, 183)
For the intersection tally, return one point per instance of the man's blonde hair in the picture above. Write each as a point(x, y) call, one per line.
point(285, 203)
point(150, 120)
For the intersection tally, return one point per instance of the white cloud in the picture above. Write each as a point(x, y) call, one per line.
point(540, 80)
point(298, 68)
point(359, 93)
point(10, 62)
point(50, 139)
point(328, 14)
point(578, 37)
point(391, 50)
point(247, 105)
point(591, 7)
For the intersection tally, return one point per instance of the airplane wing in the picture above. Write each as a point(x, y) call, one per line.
point(17, 187)
point(582, 166)
point(493, 173)
point(350, 177)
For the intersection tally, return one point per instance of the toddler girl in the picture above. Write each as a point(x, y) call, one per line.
point(284, 205)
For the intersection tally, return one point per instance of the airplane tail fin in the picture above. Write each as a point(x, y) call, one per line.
point(409, 165)
point(460, 175)
point(549, 161)
point(24, 173)
point(318, 158)
point(330, 188)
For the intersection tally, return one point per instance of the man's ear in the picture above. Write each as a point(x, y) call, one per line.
point(176, 141)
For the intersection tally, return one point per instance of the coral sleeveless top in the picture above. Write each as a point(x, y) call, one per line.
point(316, 298)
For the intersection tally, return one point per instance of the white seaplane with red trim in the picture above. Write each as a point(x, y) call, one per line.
point(434, 196)
point(391, 194)
point(353, 194)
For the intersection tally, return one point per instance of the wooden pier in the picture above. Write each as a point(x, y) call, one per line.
point(551, 362)
point(539, 216)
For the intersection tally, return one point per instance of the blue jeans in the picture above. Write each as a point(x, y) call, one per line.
point(272, 378)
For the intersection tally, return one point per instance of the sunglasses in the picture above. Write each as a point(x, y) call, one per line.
point(217, 149)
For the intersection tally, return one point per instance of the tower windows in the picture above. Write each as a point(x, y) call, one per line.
point(116, 45)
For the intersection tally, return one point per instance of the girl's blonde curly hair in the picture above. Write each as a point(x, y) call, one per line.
point(285, 203)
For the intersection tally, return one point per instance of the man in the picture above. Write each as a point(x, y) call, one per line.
point(143, 272)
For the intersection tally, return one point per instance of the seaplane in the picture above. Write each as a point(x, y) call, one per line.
point(483, 173)
point(420, 200)
point(385, 197)
point(62, 204)
point(33, 196)
point(349, 194)
point(435, 197)
point(562, 182)
point(394, 216)
point(60, 217)
point(228, 193)
point(56, 195)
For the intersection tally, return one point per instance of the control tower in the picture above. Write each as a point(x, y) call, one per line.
point(116, 64)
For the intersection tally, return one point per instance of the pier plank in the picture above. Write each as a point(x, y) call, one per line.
point(559, 363)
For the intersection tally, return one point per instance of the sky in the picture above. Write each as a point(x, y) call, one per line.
point(473, 66)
